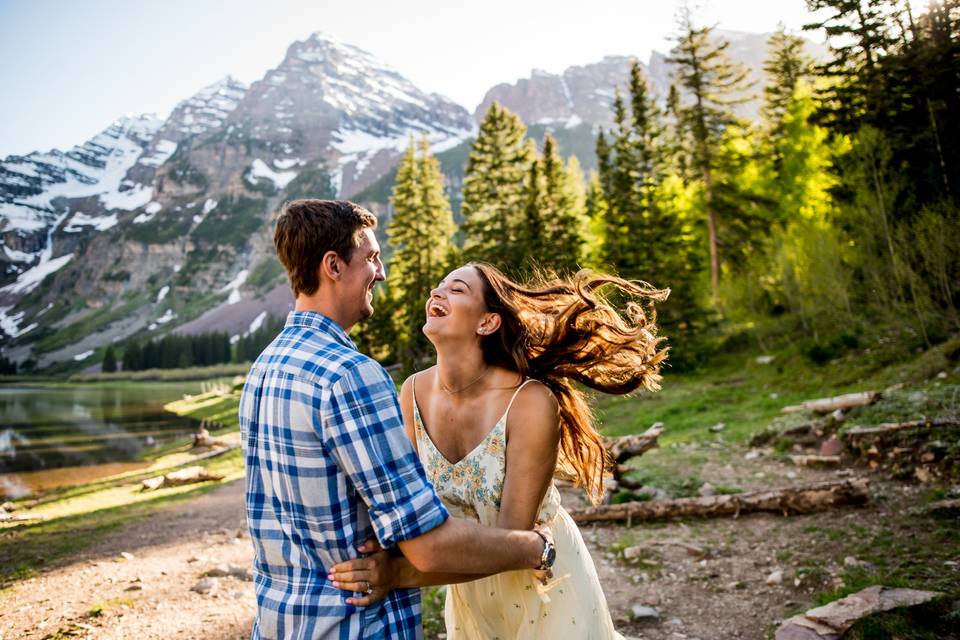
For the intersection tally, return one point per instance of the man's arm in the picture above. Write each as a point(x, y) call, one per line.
point(363, 431)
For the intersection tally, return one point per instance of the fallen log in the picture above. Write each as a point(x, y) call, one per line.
point(790, 500)
point(815, 461)
point(202, 438)
point(623, 448)
point(189, 475)
point(893, 427)
point(832, 620)
point(827, 405)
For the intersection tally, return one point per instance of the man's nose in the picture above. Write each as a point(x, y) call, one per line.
point(381, 273)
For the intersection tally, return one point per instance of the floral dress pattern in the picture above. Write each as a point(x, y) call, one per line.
point(513, 604)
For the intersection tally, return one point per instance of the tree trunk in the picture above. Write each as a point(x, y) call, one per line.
point(827, 405)
point(791, 500)
point(892, 427)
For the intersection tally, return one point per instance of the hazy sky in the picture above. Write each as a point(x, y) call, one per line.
point(71, 67)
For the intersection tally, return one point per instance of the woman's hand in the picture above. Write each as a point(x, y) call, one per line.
point(371, 575)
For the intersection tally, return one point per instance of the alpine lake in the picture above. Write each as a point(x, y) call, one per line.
point(63, 434)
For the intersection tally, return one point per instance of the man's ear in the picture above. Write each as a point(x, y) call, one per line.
point(331, 265)
point(489, 323)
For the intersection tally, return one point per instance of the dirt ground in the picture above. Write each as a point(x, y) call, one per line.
point(720, 592)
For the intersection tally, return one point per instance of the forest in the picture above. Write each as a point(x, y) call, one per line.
point(832, 216)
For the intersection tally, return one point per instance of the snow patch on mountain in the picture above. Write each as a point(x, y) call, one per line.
point(99, 223)
point(259, 169)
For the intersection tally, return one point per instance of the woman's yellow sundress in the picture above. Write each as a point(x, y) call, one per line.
point(514, 604)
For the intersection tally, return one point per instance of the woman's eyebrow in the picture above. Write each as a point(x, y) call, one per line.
point(463, 282)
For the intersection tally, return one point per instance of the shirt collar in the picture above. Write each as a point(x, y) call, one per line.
point(321, 323)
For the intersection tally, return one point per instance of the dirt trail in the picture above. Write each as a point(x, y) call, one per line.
point(719, 594)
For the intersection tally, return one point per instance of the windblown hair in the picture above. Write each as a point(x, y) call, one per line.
point(565, 330)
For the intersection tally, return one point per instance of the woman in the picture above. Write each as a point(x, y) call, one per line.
point(508, 356)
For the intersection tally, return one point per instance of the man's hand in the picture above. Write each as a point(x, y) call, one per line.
point(371, 575)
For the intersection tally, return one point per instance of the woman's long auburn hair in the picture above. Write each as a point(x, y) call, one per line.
point(565, 330)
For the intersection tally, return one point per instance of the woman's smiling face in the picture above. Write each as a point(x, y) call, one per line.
point(456, 308)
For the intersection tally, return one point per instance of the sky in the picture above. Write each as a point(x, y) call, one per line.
point(70, 68)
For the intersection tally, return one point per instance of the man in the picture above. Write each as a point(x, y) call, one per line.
point(328, 464)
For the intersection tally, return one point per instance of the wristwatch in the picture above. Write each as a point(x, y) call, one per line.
point(549, 553)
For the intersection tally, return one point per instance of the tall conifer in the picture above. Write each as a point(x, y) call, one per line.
point(420, 232)
point(495, 192)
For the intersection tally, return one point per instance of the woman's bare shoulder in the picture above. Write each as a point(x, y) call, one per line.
point(536, 408)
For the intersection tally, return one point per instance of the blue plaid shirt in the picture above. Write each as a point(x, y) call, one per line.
point(328, 464)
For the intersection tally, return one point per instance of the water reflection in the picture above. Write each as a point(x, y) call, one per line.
point(52, 434)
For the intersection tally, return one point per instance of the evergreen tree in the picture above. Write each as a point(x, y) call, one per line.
point(109, 364)
point(494, 190)
point(859, 33)
point(132, 357)
point(561, 210)
point(714, 85)
point(785, 66)
point(420, 233)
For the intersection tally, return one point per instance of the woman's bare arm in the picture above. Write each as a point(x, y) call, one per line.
point(533, 440)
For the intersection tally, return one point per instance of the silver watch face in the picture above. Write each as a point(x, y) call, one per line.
point(551, 556)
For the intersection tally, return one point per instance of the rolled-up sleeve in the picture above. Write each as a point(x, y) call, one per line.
point(363, 431)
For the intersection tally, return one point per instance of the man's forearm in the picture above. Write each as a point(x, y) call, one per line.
point(459, 546)
point(408, 577)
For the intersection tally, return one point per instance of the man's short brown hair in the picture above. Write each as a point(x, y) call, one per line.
point(307, 229)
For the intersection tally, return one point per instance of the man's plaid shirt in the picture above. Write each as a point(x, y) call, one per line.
point(328, 464)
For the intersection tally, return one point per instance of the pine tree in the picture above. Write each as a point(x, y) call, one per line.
point(714, 85)
point(109, 363)
point(859, 33)
point(562, 211)
point(785, 66)
point(421, 233)
point(132, 357)
point(494, 190)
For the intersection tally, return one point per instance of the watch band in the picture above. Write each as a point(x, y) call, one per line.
point(549, 553)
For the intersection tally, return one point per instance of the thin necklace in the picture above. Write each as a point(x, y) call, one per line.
point(450, 392)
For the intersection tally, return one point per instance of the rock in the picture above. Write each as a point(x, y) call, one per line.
point(717, 428)
point(831, 447)
point(219, 571)
point(942, 375)
point(775, 578)
point(753, 454)
point(923, 475)
point(765, 359)
point(205, 586)
point(792, 475)
point(126, 555)
point(136, 586)
point(241, 573)
point(641, 612)
point(707, 489)
point(832, 620)
point(9, 507)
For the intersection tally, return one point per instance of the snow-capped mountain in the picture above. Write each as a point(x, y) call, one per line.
point(161, 218)
point(163, 224)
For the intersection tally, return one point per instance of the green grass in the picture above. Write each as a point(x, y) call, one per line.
point(79, 516)
point(166, 375)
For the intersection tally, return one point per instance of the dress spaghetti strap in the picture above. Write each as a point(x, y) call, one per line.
point(515, 394)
